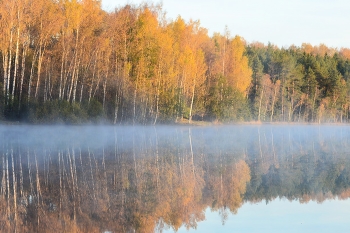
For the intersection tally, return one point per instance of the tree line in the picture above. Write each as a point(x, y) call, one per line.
point(70, 61)
point(300, 84)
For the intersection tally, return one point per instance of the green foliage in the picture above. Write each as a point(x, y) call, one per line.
point(312, 87)
point(54, 112)
point(60, 112)
point(168, 106)
point(227, 104)
point(94, 110)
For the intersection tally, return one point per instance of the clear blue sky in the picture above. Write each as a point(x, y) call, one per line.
point(281, 22)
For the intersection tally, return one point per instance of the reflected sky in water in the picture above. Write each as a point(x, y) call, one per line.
point(269, 178)
point(280, 216)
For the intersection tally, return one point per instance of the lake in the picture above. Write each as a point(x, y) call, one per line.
point(239, 178)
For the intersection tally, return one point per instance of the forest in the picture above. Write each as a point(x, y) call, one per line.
point(69, 61)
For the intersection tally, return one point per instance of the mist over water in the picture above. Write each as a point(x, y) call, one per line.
point(151, 178)
point(224, 137)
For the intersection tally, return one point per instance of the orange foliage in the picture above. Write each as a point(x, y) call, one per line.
point(239, 73)
point(345, 52)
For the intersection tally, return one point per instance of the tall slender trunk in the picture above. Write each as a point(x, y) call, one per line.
point(75, 84)
point(135, 95)
point(159, 76)
point(273, 102)
point(23, 68)
point(66, 74)
point(93, 75)
point(50, 85)
point(61, 77)
point(260, 102)
point(97, 84)
point(291, 106)
point(46, 82)
point(77, 76)
point(104, 94)
point(9, 67)
point(32, 74)
point(157, 104)
point(224, 53)
point(69, 94)
point(81, 92)
point(63, 59)
point(116, 105)
point(16, 65)
point(4, 65)
point(313, 105)
point(192, 99)
point(75, 67)
point(40, 61)
point(105, 86)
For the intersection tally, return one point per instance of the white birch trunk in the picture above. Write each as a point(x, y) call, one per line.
point(192, 99)
point(16, 64)
point(31, 74)
point(23, 67)
point(77, 76)
point(60, 97)
point(9, 67)
point(40, 61)
point(260, 102)
point(4, 65)
point(93, 76)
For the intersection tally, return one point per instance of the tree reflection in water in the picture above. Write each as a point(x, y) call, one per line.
point(145, 179)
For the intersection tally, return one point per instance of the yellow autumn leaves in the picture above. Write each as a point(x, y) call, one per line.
point(132, 61)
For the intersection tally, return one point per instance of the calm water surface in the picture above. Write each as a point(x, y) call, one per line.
point(174, 178)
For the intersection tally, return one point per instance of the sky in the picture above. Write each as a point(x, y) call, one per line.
point(280, 22)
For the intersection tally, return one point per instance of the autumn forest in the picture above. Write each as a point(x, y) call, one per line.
point(69, 61)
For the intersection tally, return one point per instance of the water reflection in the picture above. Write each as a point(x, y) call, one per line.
point(145, 179)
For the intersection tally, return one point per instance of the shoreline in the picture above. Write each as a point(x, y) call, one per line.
point(183, 122)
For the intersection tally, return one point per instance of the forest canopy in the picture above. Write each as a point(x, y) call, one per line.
point(70, 61)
